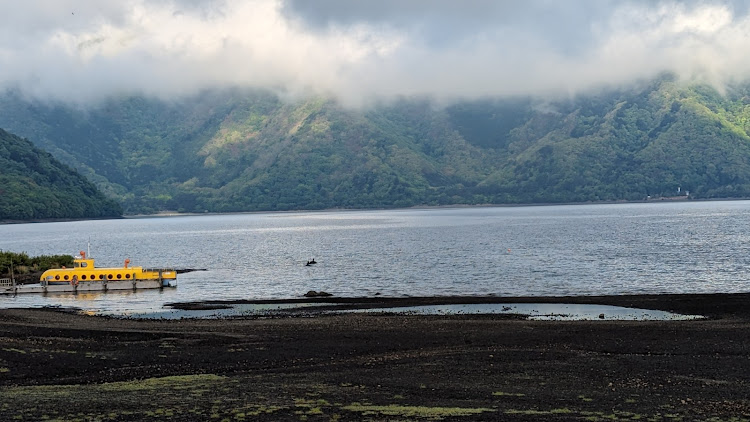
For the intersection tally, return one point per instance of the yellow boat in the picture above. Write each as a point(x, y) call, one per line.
point(84, 270)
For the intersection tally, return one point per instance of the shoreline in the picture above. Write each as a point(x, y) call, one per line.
point(66, 366)
point(731, 304)
point(165, 214)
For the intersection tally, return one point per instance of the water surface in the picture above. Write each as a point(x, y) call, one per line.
point(685, 247)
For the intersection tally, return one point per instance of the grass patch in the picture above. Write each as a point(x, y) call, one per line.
point(125, 393)
point(181, 382)
point(504, 394)
point(251, 411)
point(596, 416)
point(537, 412)
point(311, 407)
point(434, 413)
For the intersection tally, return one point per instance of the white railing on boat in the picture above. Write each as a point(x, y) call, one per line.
point(6, 282)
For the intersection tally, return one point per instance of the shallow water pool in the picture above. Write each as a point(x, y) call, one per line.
point(533, 311)
point(545, 311)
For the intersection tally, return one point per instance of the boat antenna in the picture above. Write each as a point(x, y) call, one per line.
point(88, 248)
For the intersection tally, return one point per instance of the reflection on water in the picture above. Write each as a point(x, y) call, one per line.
point(113, 302)
point(572, 250)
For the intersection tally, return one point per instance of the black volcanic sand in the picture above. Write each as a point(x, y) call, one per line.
point(57, 365)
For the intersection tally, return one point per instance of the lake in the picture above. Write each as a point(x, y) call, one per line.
point(604, 249)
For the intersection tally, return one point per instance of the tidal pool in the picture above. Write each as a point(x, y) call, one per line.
point(214, 311)
point(544, 311)
point(533, 311)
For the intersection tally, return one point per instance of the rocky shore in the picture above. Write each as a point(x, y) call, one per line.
point(61, 365)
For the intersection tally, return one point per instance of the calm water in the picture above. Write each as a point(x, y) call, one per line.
point(680, 247)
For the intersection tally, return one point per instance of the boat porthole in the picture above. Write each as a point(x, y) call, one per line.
point(109, 276)
point(93, 276)
point(83, 277)
point(101, 276)
point(127, 275)
point(57, 277)
point(119, 275)
point(66, 277)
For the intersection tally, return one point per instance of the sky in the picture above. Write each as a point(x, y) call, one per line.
point(360, 51)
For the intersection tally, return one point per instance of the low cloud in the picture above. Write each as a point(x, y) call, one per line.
point(86, 50)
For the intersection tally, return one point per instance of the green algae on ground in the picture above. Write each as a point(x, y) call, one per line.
point(178, 382)
point(504, 394)
point(537, 412)
point(185, 397)
point(609, 416)
point(122, 394)
point(435, 413)
point(313, 407)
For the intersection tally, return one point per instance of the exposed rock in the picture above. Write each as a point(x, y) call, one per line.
point(313, 293)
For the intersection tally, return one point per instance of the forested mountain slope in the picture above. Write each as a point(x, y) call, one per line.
point(665, 138)
point(248, 150)
point(34, 185)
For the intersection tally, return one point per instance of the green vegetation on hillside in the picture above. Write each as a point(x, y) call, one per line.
point(22, 263)
point(34, 185)
point(238, 150)
point(631, 145)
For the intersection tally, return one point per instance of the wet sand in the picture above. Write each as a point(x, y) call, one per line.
point(59, 365)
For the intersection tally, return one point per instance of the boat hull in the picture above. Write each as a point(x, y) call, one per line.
point(87, 286)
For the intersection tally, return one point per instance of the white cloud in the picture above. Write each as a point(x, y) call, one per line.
point(82, 50)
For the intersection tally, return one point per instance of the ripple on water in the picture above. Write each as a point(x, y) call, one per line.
point(653, 248)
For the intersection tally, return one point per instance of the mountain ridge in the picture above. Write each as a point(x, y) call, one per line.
point(241, 150)
point(36, 186)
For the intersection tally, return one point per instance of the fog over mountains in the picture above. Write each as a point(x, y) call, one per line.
point(359, 52)
point(272, 105)
point(244, 150)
